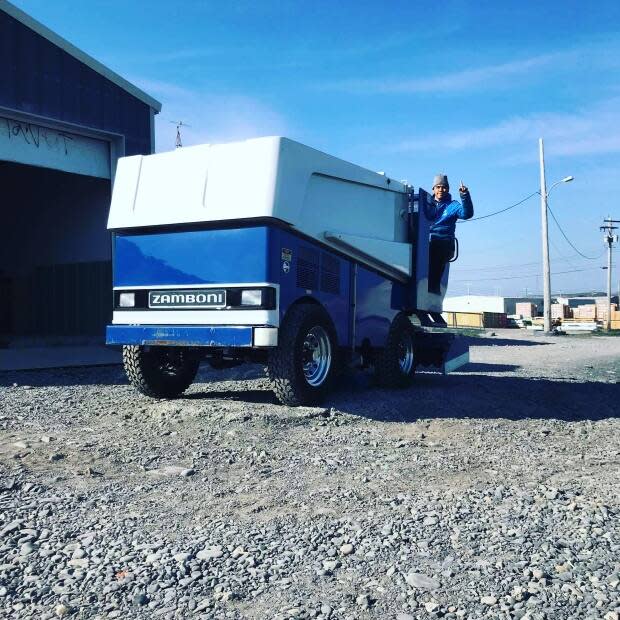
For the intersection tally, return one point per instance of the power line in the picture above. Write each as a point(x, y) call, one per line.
point(458, 268)
point(529, 275)
point(561, 257)
point(516, 204)
point(555, 219)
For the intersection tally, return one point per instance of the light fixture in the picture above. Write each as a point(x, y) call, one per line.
point(127, 300)
point(252, 297)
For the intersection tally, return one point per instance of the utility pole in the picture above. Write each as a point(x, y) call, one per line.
point(544, 196)
point(545, 242)
point(609, 238)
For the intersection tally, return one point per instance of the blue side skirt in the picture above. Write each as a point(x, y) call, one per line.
point(180, 336)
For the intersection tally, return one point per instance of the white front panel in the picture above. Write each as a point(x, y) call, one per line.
point(196, 317)
point(202, 183)
point(37, 145)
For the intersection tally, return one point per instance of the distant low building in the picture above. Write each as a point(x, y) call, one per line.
point(575, 302)
point(488, 303)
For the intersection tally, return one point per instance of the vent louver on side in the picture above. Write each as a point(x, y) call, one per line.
point(330, 274)
point(308, 268)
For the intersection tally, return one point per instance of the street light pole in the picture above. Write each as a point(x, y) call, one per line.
point(545, 242)
point(544, 195)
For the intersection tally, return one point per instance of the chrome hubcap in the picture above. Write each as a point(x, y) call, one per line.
point(317, 356)
point(405, 354)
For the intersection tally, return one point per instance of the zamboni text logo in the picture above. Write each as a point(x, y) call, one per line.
point(183, 299)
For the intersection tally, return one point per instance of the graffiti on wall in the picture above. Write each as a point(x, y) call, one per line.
point(34, 144)
point(35, 136)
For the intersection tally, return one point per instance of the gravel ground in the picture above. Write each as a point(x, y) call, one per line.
point(490, 493)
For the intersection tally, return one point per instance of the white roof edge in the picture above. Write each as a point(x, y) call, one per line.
point(77, 53)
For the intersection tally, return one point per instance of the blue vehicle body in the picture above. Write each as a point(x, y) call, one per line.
point(361, 302)
point(239, 257)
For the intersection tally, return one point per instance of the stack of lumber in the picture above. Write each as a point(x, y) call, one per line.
point(601, 311)
point(587, 311)
point(464, 319)
point(561, 311)
point(526, 309)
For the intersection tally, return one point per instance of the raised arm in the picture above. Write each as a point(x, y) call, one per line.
point(467, 206)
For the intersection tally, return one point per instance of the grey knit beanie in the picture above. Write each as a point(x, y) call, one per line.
point(441, 179)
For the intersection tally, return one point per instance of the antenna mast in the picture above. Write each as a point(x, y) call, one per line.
point(179, 124)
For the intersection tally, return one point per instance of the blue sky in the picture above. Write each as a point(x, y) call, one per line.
point(411, 88)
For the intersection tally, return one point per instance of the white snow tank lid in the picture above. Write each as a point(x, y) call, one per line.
point(318, 194)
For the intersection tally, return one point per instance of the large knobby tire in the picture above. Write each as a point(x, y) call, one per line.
point(160, 372)
point(302, 368)
point(396, 363)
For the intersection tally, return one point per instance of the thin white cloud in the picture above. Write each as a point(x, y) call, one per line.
point(247, 57)
point(591, 130)
point(209, 118)
point(176, 55)
point(161, 88)
point(602, 54)
point(466, 79)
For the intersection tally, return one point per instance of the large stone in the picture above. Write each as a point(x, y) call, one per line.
point(422, 582)
point(79, 563)
point(210, 553)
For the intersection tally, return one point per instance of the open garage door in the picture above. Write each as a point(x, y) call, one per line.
point(55, 269)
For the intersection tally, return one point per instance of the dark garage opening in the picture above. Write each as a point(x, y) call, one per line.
point(55, 270)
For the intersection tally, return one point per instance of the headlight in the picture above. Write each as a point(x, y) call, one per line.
point(252, 298)
point(127, 300)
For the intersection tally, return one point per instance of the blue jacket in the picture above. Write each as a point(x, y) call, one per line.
point(443, 215)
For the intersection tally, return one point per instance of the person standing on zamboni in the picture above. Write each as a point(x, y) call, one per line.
point(443, 212)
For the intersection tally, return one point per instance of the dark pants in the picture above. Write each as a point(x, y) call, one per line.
point(440, 252)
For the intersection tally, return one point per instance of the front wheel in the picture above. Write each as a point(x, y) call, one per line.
point(302, 367)
point(160, 372)
point(396, 363)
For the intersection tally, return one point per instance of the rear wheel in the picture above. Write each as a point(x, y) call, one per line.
point(396, 363)
point(160, 372)
point(302, 367)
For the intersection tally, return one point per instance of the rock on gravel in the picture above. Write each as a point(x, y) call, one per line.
point(422, 582)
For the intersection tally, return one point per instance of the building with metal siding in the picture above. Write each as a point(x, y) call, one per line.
point(65, 119)
point(46, 76)
point(487, 303)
